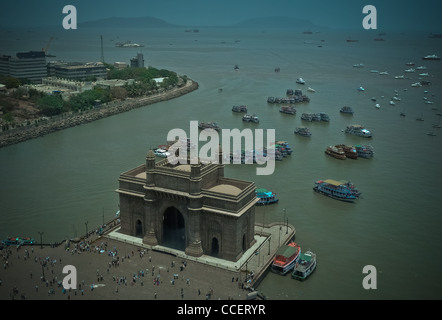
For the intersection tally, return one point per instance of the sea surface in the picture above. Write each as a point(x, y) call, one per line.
point(66, 181)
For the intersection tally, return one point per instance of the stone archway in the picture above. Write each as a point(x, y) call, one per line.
point(174, 231)
point(214, 252)
point(139, 229)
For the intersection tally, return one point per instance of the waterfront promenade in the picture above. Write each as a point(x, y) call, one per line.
point(117, 267)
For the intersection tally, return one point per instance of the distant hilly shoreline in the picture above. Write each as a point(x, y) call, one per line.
point(150, 22)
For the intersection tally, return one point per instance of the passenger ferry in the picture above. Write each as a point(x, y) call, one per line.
point(340, 190)
point(265, 197)
point(10, 241)
point(305, 266)
point(286, 258)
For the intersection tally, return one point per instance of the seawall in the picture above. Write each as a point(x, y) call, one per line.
point(18, 135)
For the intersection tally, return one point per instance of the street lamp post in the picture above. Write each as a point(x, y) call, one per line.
point(86, 227)
point(41, 239)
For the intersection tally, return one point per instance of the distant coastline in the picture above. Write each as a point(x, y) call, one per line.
point(22, 134)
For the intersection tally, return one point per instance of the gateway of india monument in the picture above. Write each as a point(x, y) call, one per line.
point(188, 207)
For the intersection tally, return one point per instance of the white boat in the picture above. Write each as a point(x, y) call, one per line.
point(425, 74)
point(400, 77)
point(361, 89)
point(305, 266)
point(378, 106)
point(421, 68)
point(383, 73)
point(374, 71)
point(410, 70)
point(358, 65)
point(161, 153)
point(431, 57)
point(300, 81)
point(311, 89)
point(391, 103)
point(416, 84)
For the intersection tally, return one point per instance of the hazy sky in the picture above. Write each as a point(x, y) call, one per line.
point(391, 14)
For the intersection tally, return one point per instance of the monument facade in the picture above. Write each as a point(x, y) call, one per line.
point(188, 207)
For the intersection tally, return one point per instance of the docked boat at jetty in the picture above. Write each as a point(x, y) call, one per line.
point(265, 197)
point(335, 152)
point(339, 190)
point(286, 258)
point(364, 151)
point(350, 151)
point(287, 110)
point(346, 109)
point(305, 266)
point(358, 130)
point(303, 131)
point(293, 96)
point(17, 241)
point(241, 108)
point(209, 125)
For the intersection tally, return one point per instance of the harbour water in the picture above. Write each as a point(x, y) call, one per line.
point(65, 181)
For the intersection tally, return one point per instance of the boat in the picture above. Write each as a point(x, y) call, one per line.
point(287, 110)
point(350, 151)
point(339, 190)
point(11, 241)
point(346, 109)
point(306, 117)
point(209, 125)
point(335, 152)
point(384, 73)
point(425, 74)
point(163, 153)
point(236, 67)
point(358, 130)
point(250, 118)
point(241, 108)
point(361, 89)
point(410, 64)
point(303, 131)
point(416, 84)
point(410, 70)
point(286, 258)
point(305, 266)
point(128, 44)
point(431, 57)
point(378, 106)
point(311, 89)
point(265, 197)
point(358, 65)
point(364, 151)
point(300, 81)
point(324, 116)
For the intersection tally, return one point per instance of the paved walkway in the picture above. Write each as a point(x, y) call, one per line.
point(255, 260)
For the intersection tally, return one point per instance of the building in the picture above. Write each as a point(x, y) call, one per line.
point(137, 62)
point(25, 65)
point(192, 208)
point(78, 71)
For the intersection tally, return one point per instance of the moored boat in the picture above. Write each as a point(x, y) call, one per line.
point(265, 197)
point(358, 130)
point(339, 190)
point(241, 108)
point(350, 151)
point(305, 266)
point(11, 241)
point(346, 109)
point(287, 110)
point(285, 258)
point(335, 152)
point(209, 125)
point(300, 81)
point(364, 151)
point(303, 131)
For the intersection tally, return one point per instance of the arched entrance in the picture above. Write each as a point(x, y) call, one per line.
point(214, 252)
point(138, 229)
point(174, 232)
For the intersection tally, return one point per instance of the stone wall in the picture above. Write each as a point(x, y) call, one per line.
point(43, 128)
